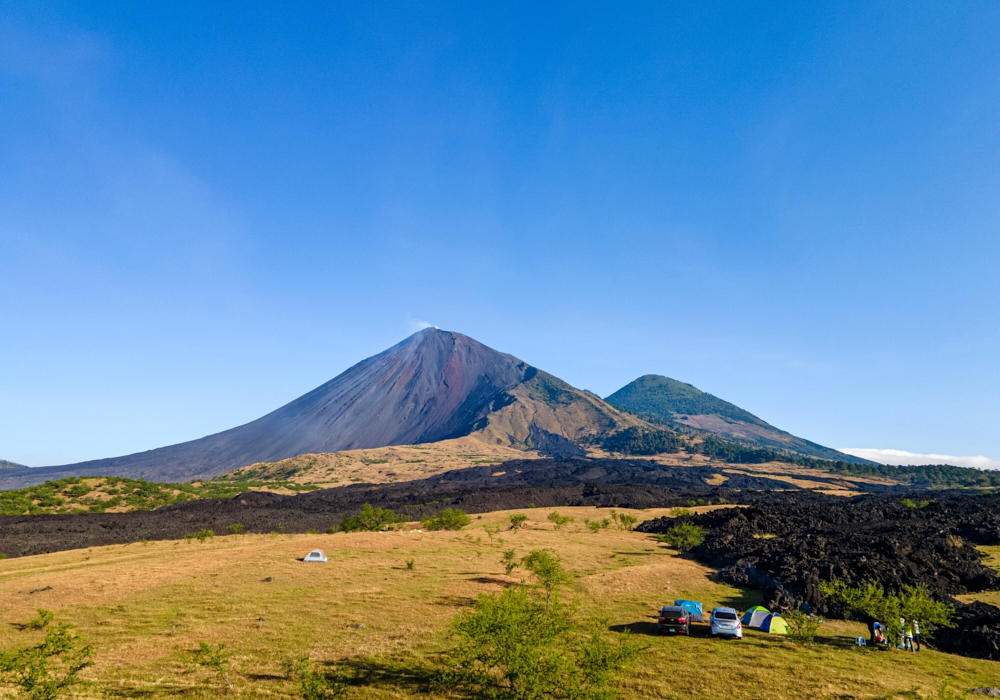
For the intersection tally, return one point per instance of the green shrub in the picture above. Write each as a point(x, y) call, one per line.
point(512, 646)
point(370, 520)
point(802, 629)
point(623, 521)
point(509, 561)
point(236, 529)
point(871, 602)
point(410, 564)
point(917, 505)
point(215, 659)
point(681, 512)
point(313, 685)
point(685, 536)
point(50, 668)
point(548, 569)
point(593, 525)
point(447, 519)
point(492, 529)
point(517, 521)
point(203, 535)
point(559, 520)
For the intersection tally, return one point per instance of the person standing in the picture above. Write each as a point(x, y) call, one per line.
point(916, 633)
point(908, 636)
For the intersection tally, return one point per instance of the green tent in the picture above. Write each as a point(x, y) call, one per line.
point(774, 625)
point(755, 616)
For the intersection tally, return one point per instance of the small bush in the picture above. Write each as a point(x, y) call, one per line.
point(512, 646)
point(685, 536)
point(203, 535)
point(215, 659)
point(559, 520)
point(312, 531)
point(917, 505)
point(802, 629)
point(548, 569)
point(624, 521)
point(681, 512)
point(517, 521)
point(509, 561)
point(236, 529)
point(593, 525)
point(369, 520)
point(410, 564)
point(50, 668)
point(492, 529)
point(447, 519)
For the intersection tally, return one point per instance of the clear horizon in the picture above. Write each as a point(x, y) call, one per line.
point(206, 212)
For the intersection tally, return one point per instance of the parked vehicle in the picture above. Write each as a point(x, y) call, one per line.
point(725, 622)
point(673, 620)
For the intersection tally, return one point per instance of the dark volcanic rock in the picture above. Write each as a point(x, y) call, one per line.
point(977, 632)
point(786, 544)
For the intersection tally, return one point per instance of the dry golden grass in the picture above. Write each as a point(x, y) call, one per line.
point(383, 465)
point(145, 607)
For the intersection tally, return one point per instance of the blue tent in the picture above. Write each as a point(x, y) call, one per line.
point(693, 608)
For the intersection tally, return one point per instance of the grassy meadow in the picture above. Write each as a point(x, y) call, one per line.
point(146, 606)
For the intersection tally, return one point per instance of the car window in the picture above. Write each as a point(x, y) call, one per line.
point(725, 616)
point(672, 614)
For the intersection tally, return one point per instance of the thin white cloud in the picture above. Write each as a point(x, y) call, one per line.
point(416, 324)
point(902, 457)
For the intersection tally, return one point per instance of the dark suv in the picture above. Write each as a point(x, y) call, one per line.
point(674, 620)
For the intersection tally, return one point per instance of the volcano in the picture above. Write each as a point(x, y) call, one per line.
point(433, 386)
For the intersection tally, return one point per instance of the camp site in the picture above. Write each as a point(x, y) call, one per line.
point(147, 607)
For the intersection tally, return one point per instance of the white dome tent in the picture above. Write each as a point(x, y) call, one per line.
point(315, 555)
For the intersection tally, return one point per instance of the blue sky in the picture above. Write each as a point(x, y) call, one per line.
point(207, 211)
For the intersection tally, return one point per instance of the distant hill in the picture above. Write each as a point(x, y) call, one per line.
point(678, 405)
point(4, 464)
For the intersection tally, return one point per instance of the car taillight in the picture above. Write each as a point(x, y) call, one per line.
point(663, 619)
point(682, 620)
point(739, 625)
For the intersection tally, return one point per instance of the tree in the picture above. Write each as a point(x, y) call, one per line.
point(517, 521)
point(47, 669)
point(559, 520)
point(871, 603)
point(492, 529)
point(685, 536)
point(369, 520)
point(547, 569)
point(624, 521)
point(509, 561)
point(447, 519)
point(512, 646)
point(801, 628)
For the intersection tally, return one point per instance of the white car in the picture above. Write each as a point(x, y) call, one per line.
point(725, 622)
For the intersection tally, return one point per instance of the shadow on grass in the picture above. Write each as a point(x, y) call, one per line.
point(647, 628)
point(389, 674)
point(506, 583)
point(458, 601)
